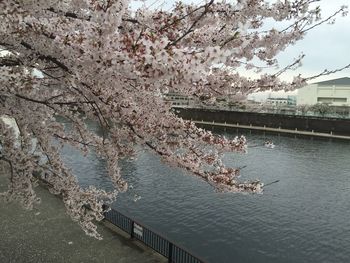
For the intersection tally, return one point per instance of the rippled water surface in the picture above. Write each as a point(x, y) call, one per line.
point(302, 218)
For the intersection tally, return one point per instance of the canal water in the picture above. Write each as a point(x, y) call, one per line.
point(302, 218)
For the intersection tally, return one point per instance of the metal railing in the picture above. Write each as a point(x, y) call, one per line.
point(173, 252)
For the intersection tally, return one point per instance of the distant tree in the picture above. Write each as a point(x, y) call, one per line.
point(232, 104)
point(103, 61)
point(321, 109)
point(303, 108)
point(343, 111)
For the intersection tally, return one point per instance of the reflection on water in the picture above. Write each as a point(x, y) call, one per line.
point(302, 218)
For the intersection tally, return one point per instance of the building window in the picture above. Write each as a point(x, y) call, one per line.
point(330, 100)
point(340, 100)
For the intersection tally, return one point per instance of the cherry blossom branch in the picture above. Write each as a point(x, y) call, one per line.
point(191, 28)
point(341, 10)
point(327, 72)
point(184, 16)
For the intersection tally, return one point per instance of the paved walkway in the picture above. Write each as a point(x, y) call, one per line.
point(47, 234)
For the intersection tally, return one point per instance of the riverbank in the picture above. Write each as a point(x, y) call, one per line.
point(47, 234)
point(298, 123)
point(274, 130)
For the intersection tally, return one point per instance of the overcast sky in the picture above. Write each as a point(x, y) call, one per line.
point(325, 47)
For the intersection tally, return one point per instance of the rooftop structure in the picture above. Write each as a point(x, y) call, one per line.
point(335, 82)
point(334, 92)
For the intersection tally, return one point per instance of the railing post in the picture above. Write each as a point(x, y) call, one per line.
point(132, 230)
point(170, 256)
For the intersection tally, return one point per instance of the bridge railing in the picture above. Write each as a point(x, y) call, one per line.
point(173, 252)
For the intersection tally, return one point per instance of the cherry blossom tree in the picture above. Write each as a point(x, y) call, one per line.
point(102, 60)
point(321, 109)
point(303, 109)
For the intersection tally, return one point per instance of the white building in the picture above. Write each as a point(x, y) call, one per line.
point(277, 101)
point(282, 101)
point(177, 99)
point(334, 92)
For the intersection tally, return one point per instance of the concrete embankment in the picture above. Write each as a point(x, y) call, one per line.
point(292, 124)
point(267, 129)
point(47, 234)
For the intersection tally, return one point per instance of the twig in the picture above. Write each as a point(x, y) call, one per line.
point(271, 183)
